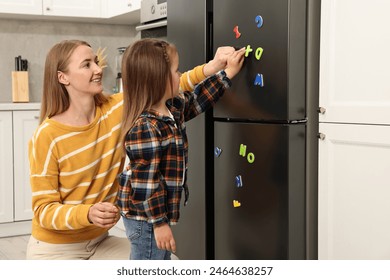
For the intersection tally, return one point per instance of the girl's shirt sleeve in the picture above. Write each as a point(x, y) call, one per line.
point(204, 96)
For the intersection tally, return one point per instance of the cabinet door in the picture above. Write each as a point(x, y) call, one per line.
point(31, 7)
point(6, 164)
point(112, 8)
point(72, 8)
point(354, 192)
point(25, 123)
point(354, 61)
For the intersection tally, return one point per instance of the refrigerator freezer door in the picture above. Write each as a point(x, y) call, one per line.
point(259, 191)
point(278, 54)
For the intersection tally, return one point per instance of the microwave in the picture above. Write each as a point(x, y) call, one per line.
point(153, 10)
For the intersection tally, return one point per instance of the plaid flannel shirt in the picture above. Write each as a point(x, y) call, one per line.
point(157, 148)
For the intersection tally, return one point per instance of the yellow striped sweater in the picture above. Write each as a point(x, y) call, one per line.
point(72, 168)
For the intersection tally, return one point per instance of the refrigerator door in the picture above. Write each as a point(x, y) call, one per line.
point(276, 33)
point(259, 191)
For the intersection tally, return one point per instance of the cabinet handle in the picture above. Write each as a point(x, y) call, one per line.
point(321, 136)
point(36, 117)
point(321, 110)
point(47, 8)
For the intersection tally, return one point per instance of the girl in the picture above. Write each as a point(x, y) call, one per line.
point(154, 135)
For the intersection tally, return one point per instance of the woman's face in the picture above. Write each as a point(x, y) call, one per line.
point(83, 76)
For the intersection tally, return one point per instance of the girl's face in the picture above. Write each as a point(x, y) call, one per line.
point(84, 74)
point(175, 73)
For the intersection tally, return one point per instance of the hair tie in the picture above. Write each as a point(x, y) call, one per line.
point(164, 49)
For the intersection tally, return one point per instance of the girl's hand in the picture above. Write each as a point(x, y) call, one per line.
point(164, 238)
point(103, 214)
point(234, 63)
point(219, 61)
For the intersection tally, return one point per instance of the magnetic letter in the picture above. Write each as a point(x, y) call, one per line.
point(242, 150)
point(236, 203)
point(217, 151)
point(258, 53)
point(251, 158)
point(239, 181)
point(259, 81)
point(235, 30)
point(248, 50)
point(259, 21)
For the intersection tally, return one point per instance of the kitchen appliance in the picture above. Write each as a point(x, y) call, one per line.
point(118, 66)
point(152, 10)
point(153, 19)
point(252, 169)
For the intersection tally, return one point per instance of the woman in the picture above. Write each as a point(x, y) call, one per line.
point(75, 156)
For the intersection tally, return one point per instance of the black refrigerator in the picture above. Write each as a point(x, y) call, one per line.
point(252, 160)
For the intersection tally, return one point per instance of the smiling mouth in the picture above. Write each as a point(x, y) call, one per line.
point(97, 80)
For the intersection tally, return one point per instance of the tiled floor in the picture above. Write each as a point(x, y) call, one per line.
point(13, 248)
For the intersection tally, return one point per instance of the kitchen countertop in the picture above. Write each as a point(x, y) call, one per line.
point(19, 106)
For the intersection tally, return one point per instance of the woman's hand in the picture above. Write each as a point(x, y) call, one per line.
point(164, 238)
point(218, 62)
point(234, 63)
point(103, 214)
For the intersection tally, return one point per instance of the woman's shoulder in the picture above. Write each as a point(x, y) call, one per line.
point(113, 106)
point(115, 99)
point(46, 132)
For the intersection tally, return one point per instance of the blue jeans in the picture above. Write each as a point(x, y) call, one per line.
point(143, 243)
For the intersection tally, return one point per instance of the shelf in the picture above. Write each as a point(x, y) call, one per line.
point(19, 106)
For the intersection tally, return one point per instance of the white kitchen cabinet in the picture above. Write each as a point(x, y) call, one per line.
point(17, 125)
point(28, 7)
point(97, 11)
point(121, 11)
point(69, 8)
point(355, 59)
point(6, 172)
point(354, 153)
point(113, 8)
point(354, 192)
point(24, 123)
point(72, 8)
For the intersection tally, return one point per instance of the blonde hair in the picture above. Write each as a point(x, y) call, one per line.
point(146, 70)
point(55, 98)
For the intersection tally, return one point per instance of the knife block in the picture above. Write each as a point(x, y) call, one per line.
point(20, 89)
